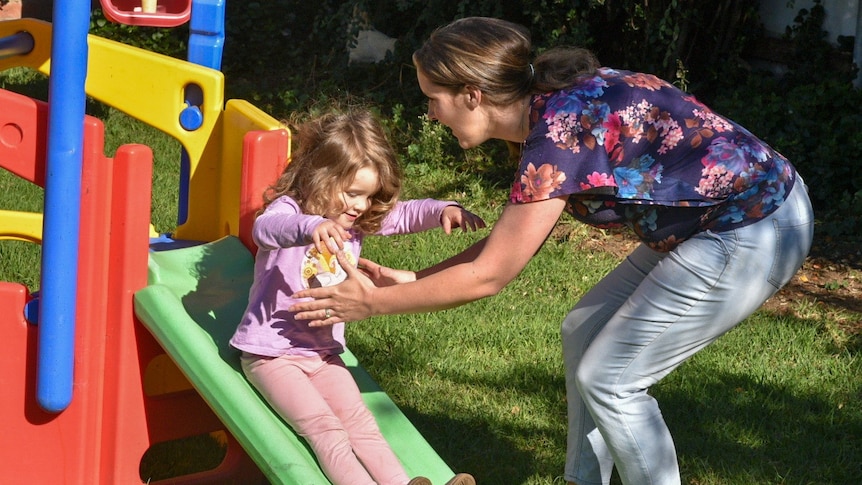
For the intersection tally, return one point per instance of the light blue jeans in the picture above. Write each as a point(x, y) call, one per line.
point(649, 315)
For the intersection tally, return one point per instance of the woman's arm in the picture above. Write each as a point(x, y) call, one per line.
point(480, 271)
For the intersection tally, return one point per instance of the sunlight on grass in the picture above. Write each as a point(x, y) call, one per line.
point(20, 261)
point(485, 383)
point(775, 401)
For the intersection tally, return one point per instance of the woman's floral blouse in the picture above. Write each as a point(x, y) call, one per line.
point(631, 149)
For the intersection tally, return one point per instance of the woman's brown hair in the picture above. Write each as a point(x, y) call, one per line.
point(495, 56)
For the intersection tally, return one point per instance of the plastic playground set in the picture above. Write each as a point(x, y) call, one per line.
point(124, 345)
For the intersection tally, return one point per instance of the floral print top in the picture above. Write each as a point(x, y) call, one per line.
point(631, 149)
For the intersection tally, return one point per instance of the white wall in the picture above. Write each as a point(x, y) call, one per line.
point(840, 15)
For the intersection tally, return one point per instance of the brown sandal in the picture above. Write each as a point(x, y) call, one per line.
point(462, 479)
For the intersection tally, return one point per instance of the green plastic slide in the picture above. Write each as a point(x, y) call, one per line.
point(195, 298)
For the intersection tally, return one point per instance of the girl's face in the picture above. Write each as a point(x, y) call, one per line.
point(459, 111)
point(356, 197)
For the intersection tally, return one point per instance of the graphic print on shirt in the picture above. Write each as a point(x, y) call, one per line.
point(322, 269)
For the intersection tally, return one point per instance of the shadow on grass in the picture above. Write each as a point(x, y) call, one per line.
point(738, 430)
point(494, 449)
point(753, 432)
point(729, 427)
point(477, 448)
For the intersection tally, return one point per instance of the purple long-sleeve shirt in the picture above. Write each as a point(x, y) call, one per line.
point(287, 262)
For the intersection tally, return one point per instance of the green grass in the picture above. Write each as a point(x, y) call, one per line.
point(775, 401)
point(778, 400)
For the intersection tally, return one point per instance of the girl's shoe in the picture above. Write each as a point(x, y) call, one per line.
point(462, 479)
point(419, 481)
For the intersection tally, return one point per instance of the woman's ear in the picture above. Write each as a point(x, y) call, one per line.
point(474, 96)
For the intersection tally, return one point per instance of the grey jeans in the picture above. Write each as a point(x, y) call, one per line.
point(649, 315)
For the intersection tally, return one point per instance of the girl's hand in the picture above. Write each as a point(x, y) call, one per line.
point(329, 237)
point(383, 276)
point(457, 216)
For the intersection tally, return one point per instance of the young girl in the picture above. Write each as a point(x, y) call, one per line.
point(341, 185)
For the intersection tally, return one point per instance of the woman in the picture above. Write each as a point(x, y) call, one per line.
point(725, 221)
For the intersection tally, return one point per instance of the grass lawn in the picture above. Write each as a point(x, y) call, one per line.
point(776, 401)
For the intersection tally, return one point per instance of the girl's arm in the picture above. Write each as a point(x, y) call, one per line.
point(456, 216)
point(480, 271)
point(283, 225)
point(417, 215)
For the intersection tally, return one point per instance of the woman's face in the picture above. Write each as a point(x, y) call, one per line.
point(458, 110)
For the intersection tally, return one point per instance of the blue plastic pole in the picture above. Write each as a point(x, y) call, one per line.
point(206, 38)
point(62, 217)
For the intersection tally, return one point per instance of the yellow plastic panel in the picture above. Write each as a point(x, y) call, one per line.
point(214, 193)
point(21, 226)
point(143, 84)
point(40, 57)
point(151, 87)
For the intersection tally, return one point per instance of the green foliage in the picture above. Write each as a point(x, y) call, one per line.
point(286, 56)
point(283, 53)
point(659, 37)
point(171, 42)
point(813, 55)
point(430, 145)
point(811, 118)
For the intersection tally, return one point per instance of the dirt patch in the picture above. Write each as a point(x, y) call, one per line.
point(831, 276)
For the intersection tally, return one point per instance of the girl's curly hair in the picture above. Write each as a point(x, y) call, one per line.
point(331, 148)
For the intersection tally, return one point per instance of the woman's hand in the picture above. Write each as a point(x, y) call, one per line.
point(456, 216)
point(347, 301)
point(480, 271)
point(383, 276)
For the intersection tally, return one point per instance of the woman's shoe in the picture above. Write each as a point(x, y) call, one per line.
point(419, 481)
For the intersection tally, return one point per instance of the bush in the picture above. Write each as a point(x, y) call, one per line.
point(286, 55)
point(171, 42)
point(810, 118)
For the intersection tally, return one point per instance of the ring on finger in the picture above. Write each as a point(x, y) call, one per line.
point(327, 313)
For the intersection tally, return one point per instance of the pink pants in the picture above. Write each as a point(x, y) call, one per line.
point(319, 399)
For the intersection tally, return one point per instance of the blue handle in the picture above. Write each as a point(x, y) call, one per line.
point(16, 44)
